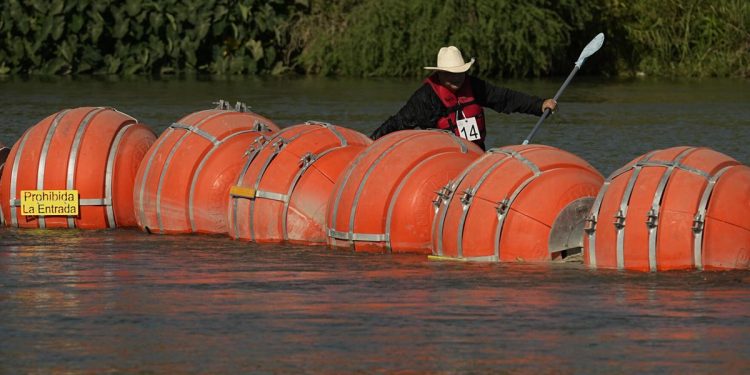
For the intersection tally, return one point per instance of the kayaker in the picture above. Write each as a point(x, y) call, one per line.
point(453, 100)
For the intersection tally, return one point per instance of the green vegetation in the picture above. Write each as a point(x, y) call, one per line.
point(372, 37)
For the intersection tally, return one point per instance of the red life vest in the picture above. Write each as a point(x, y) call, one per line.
point(458, 105)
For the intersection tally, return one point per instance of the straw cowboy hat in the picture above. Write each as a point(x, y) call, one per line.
point(449, 59)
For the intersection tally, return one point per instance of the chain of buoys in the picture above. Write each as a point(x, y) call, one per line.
point(231, 171)
point(679, 208)
point(282, 191)
point(183, 182)
point(382, 203)
point(515, 203)
point(95, 151)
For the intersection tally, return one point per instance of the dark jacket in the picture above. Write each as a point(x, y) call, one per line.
point(424, 108)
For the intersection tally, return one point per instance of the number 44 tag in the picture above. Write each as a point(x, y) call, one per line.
point(468, 129)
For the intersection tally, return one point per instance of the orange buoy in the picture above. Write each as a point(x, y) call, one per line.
point(383, 202)
point(95, 151)
point(183, 183)
point(678, 208)
point(516, 203)
point(283, 189)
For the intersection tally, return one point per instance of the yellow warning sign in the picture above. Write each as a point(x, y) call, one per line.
point(49, 202)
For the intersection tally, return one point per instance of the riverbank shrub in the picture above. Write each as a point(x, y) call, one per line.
point(694, 38)
point(145, 36)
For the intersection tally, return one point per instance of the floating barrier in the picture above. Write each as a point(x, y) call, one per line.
point(283, 189)
point(382, 203)
point(517, 203)
point(183, 183)
point(678, 208)
point(76, 169)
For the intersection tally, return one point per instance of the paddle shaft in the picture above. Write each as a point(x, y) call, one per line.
point(547, 111)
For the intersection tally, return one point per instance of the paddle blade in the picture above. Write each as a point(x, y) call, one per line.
point(590, 49)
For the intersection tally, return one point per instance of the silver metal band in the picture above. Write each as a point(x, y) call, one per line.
point(590, 229)
point(168, 161)
point(278, 144)
point(74, 151)
point(505, 205)
point(108, 182)
point(194, 179)
point(366, 176)
point(195, 129)
point(700, 218)
point(443, 201)
point(43, 161)
point(353, 237)
point(342, 183)
point(465, 207)
point(251, 154)
point(652, 219)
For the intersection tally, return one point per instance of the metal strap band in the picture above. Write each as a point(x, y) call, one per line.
point(108, 193)
point(598, 203)
point(14, 171)
point(622, 214)
point(271, 195)
point(343, 181)
point(43, 161)
point(700, 218)
point(366, 176)
point(447, 198)
point(141, 192)
point(461, 144)
point(168, 161)
point(251, 154)
point(501, 216)
point(75, 150)
point(196, 130)
point(652, 220)
point(397, 192)
point(194, 180)
point(352, 237)
point(675, 164)
point(305, 163)
point(276, 146)
point(518, 156)
point(472, 191)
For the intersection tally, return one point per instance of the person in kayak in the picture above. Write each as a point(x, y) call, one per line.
point(453, 100)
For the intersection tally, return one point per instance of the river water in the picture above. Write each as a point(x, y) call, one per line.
point(121, 301)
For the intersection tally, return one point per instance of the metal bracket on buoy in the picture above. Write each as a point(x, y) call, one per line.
point(502, 207)
point(590, 224)
point(466, 197)
point(278, 145)
point(442, 195)
point(652, 218)
point(241, 107)
point(698, 223)
point(619, 220)
point(222, 104)
point(307, 159)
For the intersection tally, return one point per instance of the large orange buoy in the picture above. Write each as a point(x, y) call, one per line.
point(516, 203)
point(678, 208)
point(282, 192)
point(383, 202)
point(95, 151)
point(183, 183)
